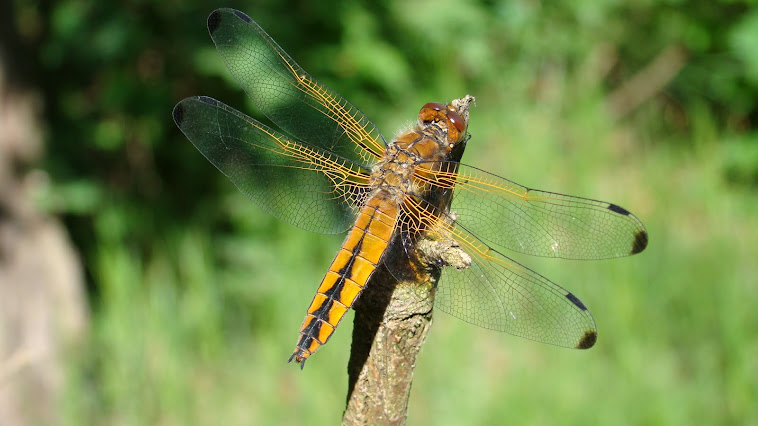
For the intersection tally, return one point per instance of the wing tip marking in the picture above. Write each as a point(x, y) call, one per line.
point(640, 242)
point(208, 100)
point(575, 300)
point(618, 209)
point(178, 114)
point(242, 16)
point(588, 340)
point(214, 21)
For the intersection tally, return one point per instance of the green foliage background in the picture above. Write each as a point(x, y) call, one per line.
point(197, 295)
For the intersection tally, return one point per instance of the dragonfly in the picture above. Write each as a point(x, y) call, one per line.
point(329, 170)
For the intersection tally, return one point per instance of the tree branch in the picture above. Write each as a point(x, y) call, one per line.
point(392, 320)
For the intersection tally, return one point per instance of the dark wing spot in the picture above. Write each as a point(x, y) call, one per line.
point(588, 340)
point(179, 114)
point(242, 16)
point(214, 20)
point(618, 209)
point(640, 242)
point(575, 300)
point(208, 100)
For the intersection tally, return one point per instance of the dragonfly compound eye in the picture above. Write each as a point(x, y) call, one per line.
point(456, 119)
point(434, 105)
point(432, 112)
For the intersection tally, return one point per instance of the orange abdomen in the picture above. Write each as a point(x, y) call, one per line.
point(348, 274)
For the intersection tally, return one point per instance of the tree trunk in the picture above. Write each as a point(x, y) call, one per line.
point(42, 303)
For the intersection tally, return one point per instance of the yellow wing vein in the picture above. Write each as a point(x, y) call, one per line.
point(333, 108)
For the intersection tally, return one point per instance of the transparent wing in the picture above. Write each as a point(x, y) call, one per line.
point(488, 288)
point(491, 290)
point(303, 185)
point(498, 293)
point(504, 214)
point(289, 96)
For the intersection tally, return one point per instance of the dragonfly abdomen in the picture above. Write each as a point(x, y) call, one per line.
point(348, 274)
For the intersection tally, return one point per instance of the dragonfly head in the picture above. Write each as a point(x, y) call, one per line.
point(448, 117)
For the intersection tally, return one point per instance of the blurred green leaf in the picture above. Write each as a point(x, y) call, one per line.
point(743, 40)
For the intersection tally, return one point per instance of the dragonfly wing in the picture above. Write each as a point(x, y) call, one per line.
point(306, 186)
point(289, 96)
point(507, 215)
point(484, 287)
point(498, 293)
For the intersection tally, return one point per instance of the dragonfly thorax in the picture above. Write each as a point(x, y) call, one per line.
point(393, 172)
